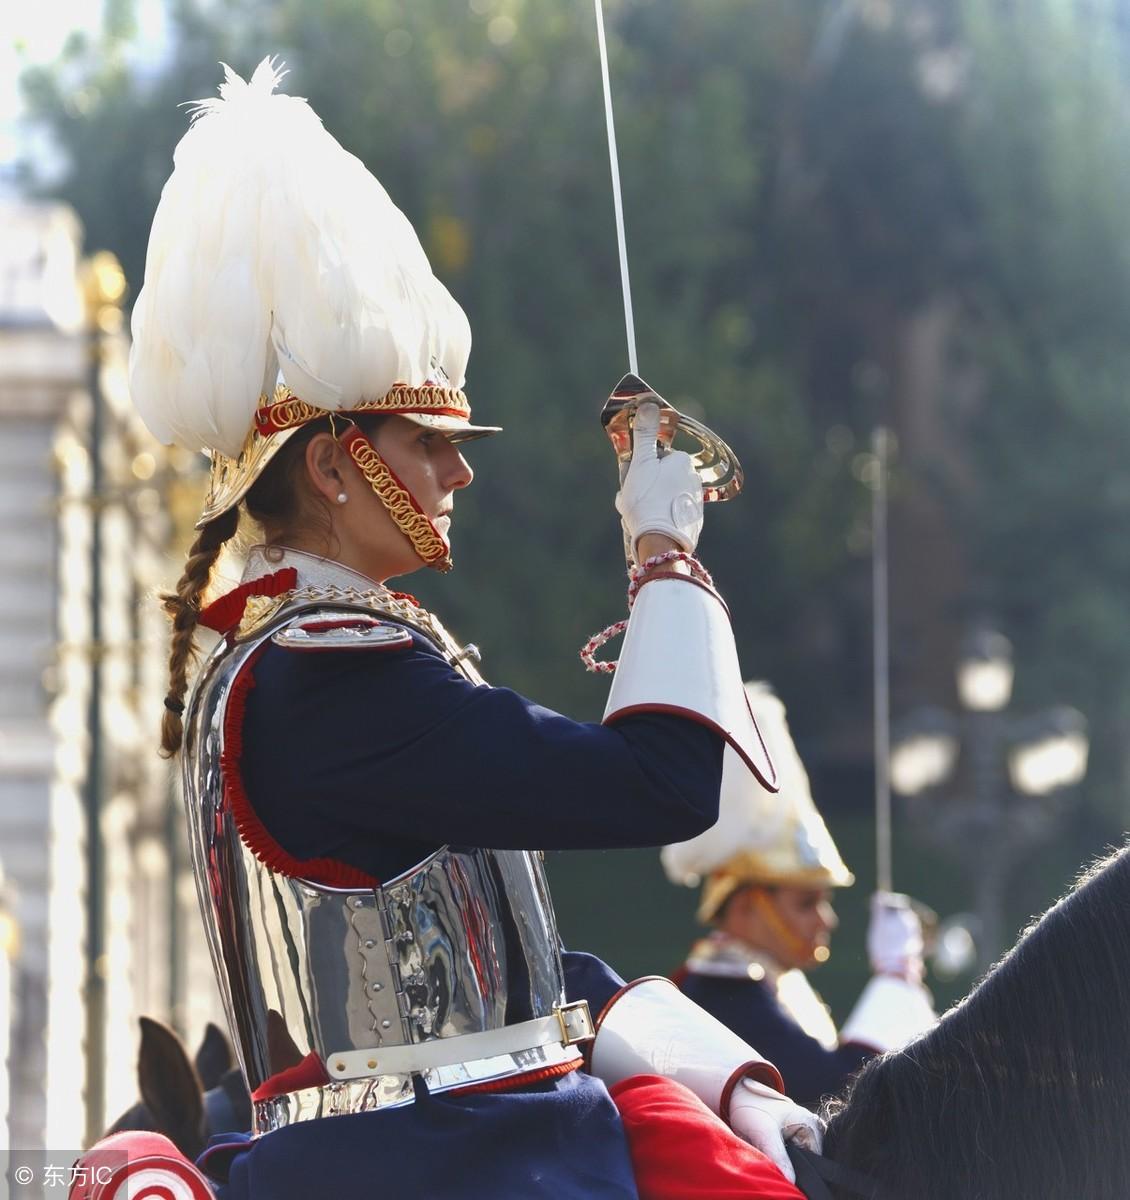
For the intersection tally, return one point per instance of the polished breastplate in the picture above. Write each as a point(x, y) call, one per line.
point(342, 1000)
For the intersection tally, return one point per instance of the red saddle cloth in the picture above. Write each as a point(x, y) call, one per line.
point(681, 1151)
point(136, 1165)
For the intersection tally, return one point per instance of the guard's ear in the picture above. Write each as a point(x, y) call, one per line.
point(324, 458)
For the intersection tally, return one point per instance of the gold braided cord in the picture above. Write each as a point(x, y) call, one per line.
point(285, 410)
point(415, 526)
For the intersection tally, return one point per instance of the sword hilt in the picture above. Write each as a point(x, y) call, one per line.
point(716, 464)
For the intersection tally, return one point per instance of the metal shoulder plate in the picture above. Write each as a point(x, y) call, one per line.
point(268, 616)
point(342, 629)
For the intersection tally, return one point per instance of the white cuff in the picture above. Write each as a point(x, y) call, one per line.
point(651, 1028)
point(889, 1013)
point(679, 656)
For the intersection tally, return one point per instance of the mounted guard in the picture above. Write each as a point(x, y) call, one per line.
point(361, 804)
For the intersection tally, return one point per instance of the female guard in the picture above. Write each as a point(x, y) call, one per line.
point(362, 806)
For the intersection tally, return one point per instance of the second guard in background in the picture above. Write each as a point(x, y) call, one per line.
point(766, 896)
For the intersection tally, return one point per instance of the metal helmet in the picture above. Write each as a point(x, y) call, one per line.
point(281, 285)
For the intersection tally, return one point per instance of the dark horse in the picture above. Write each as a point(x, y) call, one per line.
point(1021, 1090)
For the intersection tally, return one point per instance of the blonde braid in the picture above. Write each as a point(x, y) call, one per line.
point(183, 606)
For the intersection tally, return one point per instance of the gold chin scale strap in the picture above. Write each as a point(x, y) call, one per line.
point(416, 526)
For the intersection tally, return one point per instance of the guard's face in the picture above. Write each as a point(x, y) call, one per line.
point(428, 465)
point(807, 914)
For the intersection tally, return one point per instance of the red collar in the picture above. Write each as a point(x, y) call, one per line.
point(225, 613)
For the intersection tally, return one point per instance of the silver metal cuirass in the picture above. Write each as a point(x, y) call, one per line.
point(338, 998)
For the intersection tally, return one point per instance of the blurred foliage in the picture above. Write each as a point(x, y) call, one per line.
point(839, 212)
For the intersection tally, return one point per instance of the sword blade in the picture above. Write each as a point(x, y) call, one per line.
point(880, 448)
point(618, 204)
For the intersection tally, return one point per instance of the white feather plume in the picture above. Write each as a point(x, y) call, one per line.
point(274, 249)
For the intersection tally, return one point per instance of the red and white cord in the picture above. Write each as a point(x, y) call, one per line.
point(636, 578)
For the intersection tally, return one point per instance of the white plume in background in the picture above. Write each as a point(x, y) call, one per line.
point(748, 815)
point(780, 835)
point(274, 249)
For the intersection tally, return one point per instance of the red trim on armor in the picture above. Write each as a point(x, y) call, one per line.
point(310, 1072)
point(757, 1069)
point(252, 831)
point(516, 1081)
point(225, 613)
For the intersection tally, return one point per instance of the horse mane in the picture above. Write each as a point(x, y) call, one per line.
point(1021, 1089)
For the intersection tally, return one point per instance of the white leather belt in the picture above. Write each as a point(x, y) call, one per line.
point(568, 1025)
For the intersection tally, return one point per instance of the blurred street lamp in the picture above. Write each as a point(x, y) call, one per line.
point(924, 755)
point(1011, 775)
point(985, 671)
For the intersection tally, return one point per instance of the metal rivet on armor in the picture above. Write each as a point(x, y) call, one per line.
point(372, 1064)
point(377, 986)
point(355, 901)
point(339, 1066)
point(386, 1024)
point(369, 943)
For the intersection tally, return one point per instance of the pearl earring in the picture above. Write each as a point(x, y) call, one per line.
point(342, 497)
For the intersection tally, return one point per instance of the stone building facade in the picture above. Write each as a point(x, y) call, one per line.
point(89, 535)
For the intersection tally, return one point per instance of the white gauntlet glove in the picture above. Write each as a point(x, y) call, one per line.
point(895, 1005)
point(766, 1119)
point(894, 937)
point(659, 495)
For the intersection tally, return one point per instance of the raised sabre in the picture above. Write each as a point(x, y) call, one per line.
point(715, 462)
